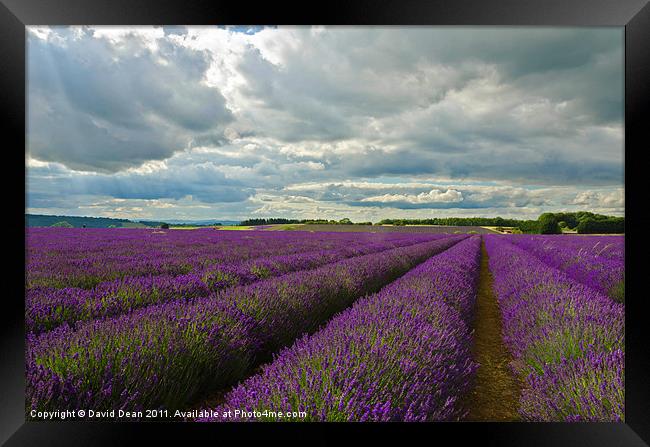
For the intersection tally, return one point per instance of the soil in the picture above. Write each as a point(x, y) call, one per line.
point(495, 396)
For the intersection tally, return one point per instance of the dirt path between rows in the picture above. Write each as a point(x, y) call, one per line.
point(495, 396)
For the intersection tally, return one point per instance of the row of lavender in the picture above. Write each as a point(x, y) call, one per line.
point(86, 257)
point(596, 261)
point(49, 307)
point(402, 354)
point(166, 355)
point(567, 339)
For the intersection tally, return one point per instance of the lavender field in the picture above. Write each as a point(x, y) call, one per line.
point(213, 325)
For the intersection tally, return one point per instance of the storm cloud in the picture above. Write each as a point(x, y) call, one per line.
point(98, 105)
point(364, 122)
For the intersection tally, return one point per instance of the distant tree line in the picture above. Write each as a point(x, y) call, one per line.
point(455, 222)
point(344, 221)
point(583, 222)
point(279, 220)
point(269, 221)
point(608, 226)
point(589, 223)
point(63, 224)
point(152, 223)
point(41, 220)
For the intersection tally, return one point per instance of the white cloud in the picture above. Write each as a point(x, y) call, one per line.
point(99, 100)
point(433, 196)
point(600, 199)
point(350, 121)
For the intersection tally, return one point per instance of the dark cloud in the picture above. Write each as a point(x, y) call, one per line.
point(378, 72)
point(512, 163)
point(203, 182)
point(241, 115)
point(98, 105)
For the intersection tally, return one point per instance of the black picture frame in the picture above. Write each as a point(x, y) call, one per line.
point(634, 15)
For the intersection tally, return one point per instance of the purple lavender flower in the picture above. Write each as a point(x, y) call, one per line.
point(49, 307)
point(568, 339)
point(595, 261)
point(166, 355)
point(402, 354)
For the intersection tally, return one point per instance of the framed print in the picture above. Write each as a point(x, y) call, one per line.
point(362, 222)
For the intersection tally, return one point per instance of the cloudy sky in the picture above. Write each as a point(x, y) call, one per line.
point(358, 122)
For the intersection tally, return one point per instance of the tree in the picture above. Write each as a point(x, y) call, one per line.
point(269, 221)
point(529, 227)
point(164, 226)
point(570, 219)
point(548, 224)
point(63, 224)
point(602, 226)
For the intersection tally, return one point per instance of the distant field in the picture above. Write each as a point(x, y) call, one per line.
point(233, 227)
point(134, 225)
point(504, 230)
point(385, 228)
point(284, 227)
